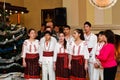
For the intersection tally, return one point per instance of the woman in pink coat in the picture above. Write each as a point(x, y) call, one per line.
point(107, 56)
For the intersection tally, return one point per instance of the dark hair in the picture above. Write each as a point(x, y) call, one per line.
point(80, 31)
point(56, 26)
point(66, 26)
point(43, 24)
point(110, 36)
point(65, 42)
point(30, 30)
point(87, 23)
point(47, 32)
point(101, 33)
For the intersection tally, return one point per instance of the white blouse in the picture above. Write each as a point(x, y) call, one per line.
point(60, 49)
point(96, 50)
point(80, 49)
point(30, 47)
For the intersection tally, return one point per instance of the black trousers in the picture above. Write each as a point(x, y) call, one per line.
point(109, 73)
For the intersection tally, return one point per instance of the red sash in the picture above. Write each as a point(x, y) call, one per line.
point(80, 58)
point(48, 54)
point(31, 55)
point(65, 55)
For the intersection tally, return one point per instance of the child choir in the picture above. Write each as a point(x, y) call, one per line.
point(71, 56)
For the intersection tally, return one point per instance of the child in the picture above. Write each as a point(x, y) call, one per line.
point(61, 54)
point(30, 55)
point(78, 62)
point(47, 44)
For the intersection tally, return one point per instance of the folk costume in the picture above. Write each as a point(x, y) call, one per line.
point(79, 55)
point(30, 52)
point(61, 59)
point(46, 58)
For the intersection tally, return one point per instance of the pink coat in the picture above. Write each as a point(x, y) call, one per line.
point(107, 56)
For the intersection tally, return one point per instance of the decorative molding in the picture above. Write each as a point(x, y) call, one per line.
point(104, 27)
point(103, 4)
point(97, 28)
point(114, 28)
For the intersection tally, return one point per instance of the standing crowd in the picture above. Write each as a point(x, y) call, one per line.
point(65, 56)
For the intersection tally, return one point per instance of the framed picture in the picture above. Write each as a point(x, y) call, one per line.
point(47, 15)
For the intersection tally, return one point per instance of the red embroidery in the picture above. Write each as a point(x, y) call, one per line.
point(30, 48)
point(46, 44)
point(74, 50)
point(61, 50)
point(78, 50)
point(35, 49)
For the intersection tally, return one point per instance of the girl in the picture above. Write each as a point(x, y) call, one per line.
point(61, 54)
point(79, 56)
point(30, 55)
